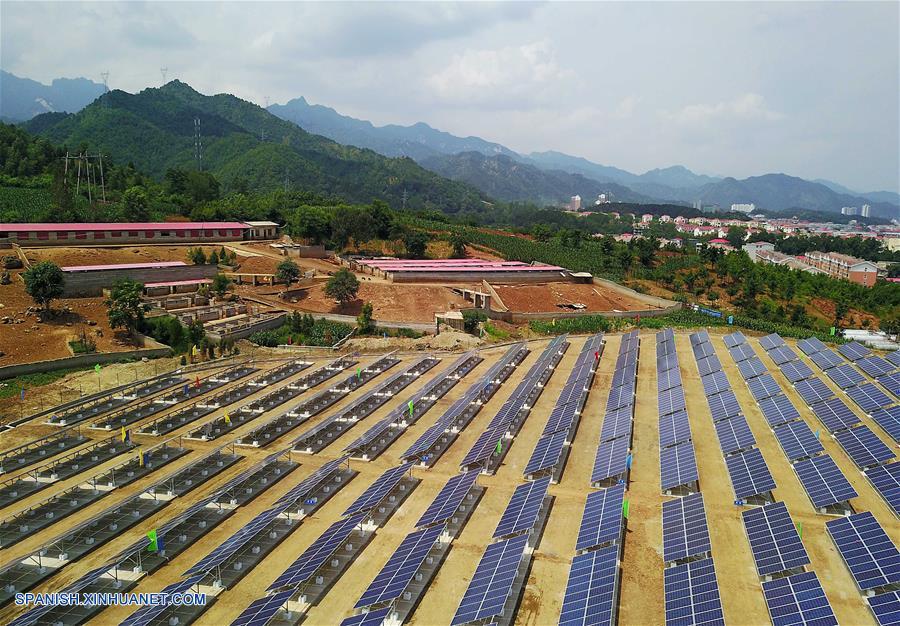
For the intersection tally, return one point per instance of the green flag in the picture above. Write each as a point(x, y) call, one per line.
point(410, 408)
point(800, 529)
point(154, 545)
point(625, 508)
point(832, 331)
point(358, 373)
point(499, 446)
point(97, 368)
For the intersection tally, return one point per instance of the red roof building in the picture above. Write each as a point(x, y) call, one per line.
point(105, 233)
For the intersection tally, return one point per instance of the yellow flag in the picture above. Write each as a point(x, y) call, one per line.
point(227, 419)
point(123, 433)
point(141, 458)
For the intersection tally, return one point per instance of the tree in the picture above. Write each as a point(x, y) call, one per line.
point(196, 256)
point(287, 271)
point(343, 286)
point(126, 305)
point(471, 319)
point(459, 245)
point(220, 285)
point(44, 282)
point(415, 243)
point(213, 258)
point(364, 320)
point(134, 201)
point(735, 236)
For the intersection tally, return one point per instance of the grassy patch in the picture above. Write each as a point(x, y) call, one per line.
point(495, 333)
point(12, 387)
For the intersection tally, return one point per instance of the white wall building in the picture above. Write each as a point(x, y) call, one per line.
point(743, 207)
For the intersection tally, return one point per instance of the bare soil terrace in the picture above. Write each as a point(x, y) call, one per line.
point(553, 297)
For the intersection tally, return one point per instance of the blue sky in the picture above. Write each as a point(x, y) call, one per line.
point(810, 89)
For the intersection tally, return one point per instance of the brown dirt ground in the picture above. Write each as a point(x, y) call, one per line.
point(102, 255)
point(546, 297)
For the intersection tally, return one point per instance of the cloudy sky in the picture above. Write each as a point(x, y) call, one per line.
point(810, 89)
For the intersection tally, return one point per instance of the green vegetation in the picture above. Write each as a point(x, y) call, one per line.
point(343, 286)
point(287, 271)
point(303, 330)
point(168, 330)
point(44, 283)
point(80, 346)
point(495, 333)
point(364, 322)
point(126, 307)
point(13, 387)
point(471, 319)
point(220, 285)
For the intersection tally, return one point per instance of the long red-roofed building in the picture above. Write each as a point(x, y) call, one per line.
point(105, 233)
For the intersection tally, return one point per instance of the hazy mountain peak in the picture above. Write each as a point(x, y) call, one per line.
point(23, 98)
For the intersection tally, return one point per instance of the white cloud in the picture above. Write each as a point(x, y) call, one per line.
point(748, 106)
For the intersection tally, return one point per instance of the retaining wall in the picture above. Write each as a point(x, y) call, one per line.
point(92, 283)
point(81, 360)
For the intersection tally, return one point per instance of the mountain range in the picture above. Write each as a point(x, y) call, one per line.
point(242, 140)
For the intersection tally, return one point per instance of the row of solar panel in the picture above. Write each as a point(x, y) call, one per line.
point(677, 462)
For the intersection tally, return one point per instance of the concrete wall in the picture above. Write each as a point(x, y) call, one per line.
point(81, 360)
point(507, 278)
point(268, 322)
point(90, 238)
point(92, 283)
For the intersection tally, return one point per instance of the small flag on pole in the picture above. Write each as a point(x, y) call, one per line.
point(141, 458)
point(197, 383)
point(628, 461)
point(800, 529)
point(625, 509)
point(832, 331)
point(290, 339)
point(154, 541)
point(358, 373)
point(227, 418)
point(410, 408)
point(499, 446)
point(97, 368)
point(124, 436)
point(597, 355)
point(817, 434)
point(22, 393)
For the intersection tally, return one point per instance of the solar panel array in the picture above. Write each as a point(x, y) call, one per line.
point(692, 595)
point(611, 460)
point(886, 480)
point(886, 608)
point(870, 555)
point(798, 599)
point(774, 540)
point(379, 490)
point(602, 521)
point(684, 529)
point(734, 434)
point(447, 502)
point(522, 512)
point(492, 583)
point(591, 590)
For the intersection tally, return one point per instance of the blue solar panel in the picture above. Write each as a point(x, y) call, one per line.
point(893, 357)
point(795, 371)
point(864, 447)
point(869, 397)
point(684, 528)
point(617, 424)
point(263, 609)
point(620, 396)
point(715, 383)
point(591, 591)
point(369, 618)
point(886, 480)
point(602, 519)
point(671, 400)
point(823, 481)
point(677, 466)
point(845, 376)
point(703, 350)
point(674, 428)
point(742, 352)
point(763, 387)
point(782, 354)
point(400, 569)
point(734, 434)
point(723, 405)
point(889, 420)
point(826, 359)
point(547, 453)
point(751, 368)
point(318, 553)
point(668, 379)
point(492, 582)
point(778, 410)
point(774, 541)
point(692, 595)
point(709, 365)
point(811, 345)
point(771, 341)
point(312, 481)
point(875, 366)
point(797, 440)
point(448, 499)
point(854, 350)
point(150, 612)
point(813, 390)
point(749, 474)
point(699, 337)
point(870, 555)
point(610, 460)
point(522, 511)
point(378, 490)
point(891, 382)
point(886, 608)
point(798, 600)
point(667, 362)
point(834, 414)
point(734, 339)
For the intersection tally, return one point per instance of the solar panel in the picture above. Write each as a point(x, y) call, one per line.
point(893, 357)
point(699, 337)
point(796, 371)
point(666, 334)
point(677, 466)
point(703, 350)
point(864, 447)
point(774, 541)
point(370, 618)
point(684, 528)
point(709, 365)
point(617, 424)
point(671, 400)
point(561, 417)
point(868, 397)
point(889, 420)
point(692, 595)
point(763, 387)
point(448, 499)
point(522, 511)
point(778, 410)
point(734, 434)
point(492, 582)
point(262, 609)
point(621, 396)
point(826, 359)
point(674, 428)
point(667, 362)
point(715, 383)
point(734, 339)
point(886, 608)
point(148, 613)
point(318, 553)
point(875, 366)
point(834, 414)
point(823, 481)
point(811, 346)
point(797, 440)
point(813, 390)
point(742, 352)
point(845, 376)
point(870, 555)
point(749, 474)
point(668, 379)
point(397, 573)
point(665, 347)
point(854, 350)
point(771, 341)
point(891, 382)
point(751, 368)
point(547, 453)
point(723, 405)
point(886, 480)
point(590, 597)
point(782, 354)
point(798, 600)
point(602, 519)
point(378, 490)
point(610, 460)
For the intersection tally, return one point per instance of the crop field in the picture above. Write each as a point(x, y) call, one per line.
point(640, 478)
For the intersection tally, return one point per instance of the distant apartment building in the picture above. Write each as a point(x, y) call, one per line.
point(754, 249)
point(849, 210)
point(844, 267)
point(864, 211)
point(574, 203)
point(743, 208)
point(646, 218)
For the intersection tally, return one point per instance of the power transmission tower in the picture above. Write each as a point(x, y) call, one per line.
point(198, 144)
point(405, 196)
point(164, 71)
point(105, 77)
